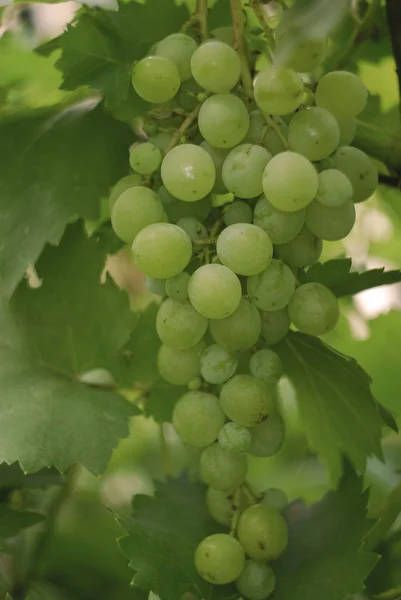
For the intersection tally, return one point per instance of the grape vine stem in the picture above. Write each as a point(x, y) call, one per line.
point(183, 127)
point(258, 10)
point(201, 15)
point(239, 46)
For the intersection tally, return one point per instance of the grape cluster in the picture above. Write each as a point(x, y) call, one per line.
point(228, 199)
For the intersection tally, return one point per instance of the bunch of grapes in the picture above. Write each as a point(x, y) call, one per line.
point(230, 196)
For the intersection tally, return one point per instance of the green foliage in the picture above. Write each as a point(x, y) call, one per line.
point(12, 521)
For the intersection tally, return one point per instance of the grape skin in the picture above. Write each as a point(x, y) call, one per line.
point(314, 309)
point(145, 158)
point(156, 79)
point(314, 133)
point(243, 170)
point(179, 48)
point(266, 366)
point(278, 91)
point(245, 249)
point(214, 291)
point(334, 188)
point(219, 559)
point(221, 505)
point(222, 470)
point(281, 227)
point(177, 287)
point(272, 289)
point(124, 184)
point(238, 212)
point(179, 367)
point(330, 223)
point(217, 364)
point(341, 93)
point(179, 325)
point(275, 499)
point(239, 331)
point(302, 251)
point(216, 67)
point(197, 418)
point(188, 172)
point(223, 120)
point(246, 400)
point(234, 437)
point(257, 581)
point(267, 437)
point(262, 532)
point(133, 210)
point(275, 325)
point(359, 169)
point(218, 156)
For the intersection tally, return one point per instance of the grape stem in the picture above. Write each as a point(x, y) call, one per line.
point(206, 242)
point(187, 122)
point(252, 497)
point(201, 15)
point(239, 46)
point(258, 10)
point(236, 507)
point(271, 122)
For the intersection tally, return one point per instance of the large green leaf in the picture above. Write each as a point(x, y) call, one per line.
point(49, 336)
point(55, 166)
point(12, 521)
point(339, 414)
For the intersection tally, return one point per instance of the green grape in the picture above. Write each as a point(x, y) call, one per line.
point(179, 367)
point(238, 212)
point(272, 140)
point(134, 209)
point(188, 95)
point(195, 384)
point(266, 366)
point(359, 169)
point(193, 228)
point(217, 364)
point(197, 418)
point(219, 558)
point(257, 581)
point(156, 286)
point(314, 133)
point(223, 120)
point(273, 288)
point(156, 79)
point(246, 400)
point(162, 250)
point(267, 437)
point(234, 437)
point(218, 156)
point(278, 91)
point(162, 140)
point(290, 193)
point(303, 55)
point(178, 48)
point(243, 170)
point(347, 127)
point(244, 248)
point(330, 223)
point(145, 158)
point(334, 188)
point(223, 34)
point(280, 226)
point(177, 286)
point(178, 324)
point(221, 469)
point(123, 184)
point(188, 172)
point(176, 209)
point(275, 325)
point(275, 499)
point(314, 309)
point(214, 291)
point(149, 126)
point(216, 67)
point(222, 506)
point(257, 128)
point(239, 331)
point(341, 93)
point(262, 532)
point(304, 250)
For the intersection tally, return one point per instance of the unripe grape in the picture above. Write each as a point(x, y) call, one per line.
point(244, 248)
point(188, 172)
point(304, 250)
point(272, 289)
point(234, 437)
point(134, 209)
point(342, 93)
point(278, 91)
point(145, 158)
point(257, 581)
point(221, 469)
point(223, 120)
point(219, 559)
point(214, 291)
point(267, 437)
point(222, 505)
point(179, 367)
point(179, 48)
point(197, 418)
point(217, 364)
point(275, 325)
point(216, 67)
point(156, 79)
point(246, 400)
point(266, 366)
point(281, 227)
point(262, 532)
point(239, 331)
point(123, 184)
point(179, 325)
point(243, 170)
point(275, 499)
point(314, 309)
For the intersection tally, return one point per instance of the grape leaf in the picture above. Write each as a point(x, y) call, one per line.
point(54, 166)
point(164, 531)
point(323, 558)
point(12, 521)
point(336, 275)
point(49, 335)
point(12, 477)
point(389, 511)
point(339, 413)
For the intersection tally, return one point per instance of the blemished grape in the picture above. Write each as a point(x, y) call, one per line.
point(262, 532)
point(145, 158)
point(133, 210)
point(177, 287)
point(243, 170)
point(280, 226)
point(359, 169)
point(257, 581)
point(179, 367)
point(156, 79)
point(267, 437)
point(223, 120)
point(330, 223)
point(246, 400)
point(305, 249)
point(239, 331)
point(347, 127)
point(197, 418)
point(314, 309)
point(217, 364)
point(218, 156)
point(293, 193)
point(216, 67)
point(123, 184)
point(234, 437)
point(273, 288)
point(244, 248)
point(238, 212)
point(275, 325)
point(314, 133)
point(274, 142)
point(214, 291)
point(156, 286)
point(179, 48)
point(188, 172)
point(194, 229)
point(278, 91)
point(341, 93)
point(266, 366)
point(179, 325)
point(221, 469)
point(222, 505)
point(219, 558)
point(275, 499)
point(334, 188)
point(303, 55)
point(162, 250)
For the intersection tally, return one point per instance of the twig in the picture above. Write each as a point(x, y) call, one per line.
point(236, 508)
point(258, 10)
point(252, 497)
point(206, 242)
point(201, 15)
point(272, 123)
point(239, 46)
point(183, 127)
point(394, 25)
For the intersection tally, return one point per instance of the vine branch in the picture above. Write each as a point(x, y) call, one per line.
point(201, 15)
point(239, 46)
point(183, 127)
point(393, 14)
